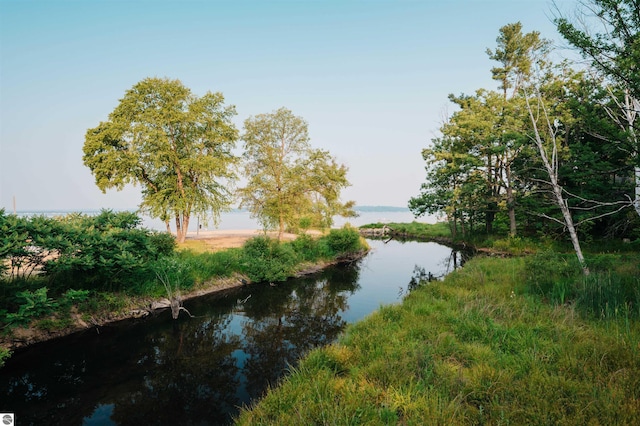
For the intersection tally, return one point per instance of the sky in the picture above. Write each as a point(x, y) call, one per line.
point(371, 78)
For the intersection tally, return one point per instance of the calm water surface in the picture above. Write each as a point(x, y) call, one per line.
point(200, 370)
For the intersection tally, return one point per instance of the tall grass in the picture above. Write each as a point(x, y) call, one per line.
point(612, 290)
point(477, 348)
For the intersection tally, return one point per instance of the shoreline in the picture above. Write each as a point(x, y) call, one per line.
point(140, 308)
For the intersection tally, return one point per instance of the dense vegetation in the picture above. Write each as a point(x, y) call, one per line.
point(56, 270)
point(547, 338)
point(555, 149)
point(500, 341)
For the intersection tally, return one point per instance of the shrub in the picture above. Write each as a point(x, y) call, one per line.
point(264, 259)
point(32, 305)
point(4, 355)
point(306, 247)
point(344, 241)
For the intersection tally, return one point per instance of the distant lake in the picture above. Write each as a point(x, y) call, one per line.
point(241, 219)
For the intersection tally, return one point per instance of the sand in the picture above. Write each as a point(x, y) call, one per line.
point(230, 238)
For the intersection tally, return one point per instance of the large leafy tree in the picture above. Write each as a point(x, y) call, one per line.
point(175, 145)
point(288, 182)
point(607, 32)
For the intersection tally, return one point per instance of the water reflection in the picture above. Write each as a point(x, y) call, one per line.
point(199, 370)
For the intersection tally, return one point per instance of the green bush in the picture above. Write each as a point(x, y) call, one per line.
point(103, 252)
point(4, 355)
point(264, 259)
point(31, 305)
point(344, 241)
point(306, 247)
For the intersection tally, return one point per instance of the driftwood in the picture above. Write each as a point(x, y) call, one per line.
point(175, 304)
point(375, 232)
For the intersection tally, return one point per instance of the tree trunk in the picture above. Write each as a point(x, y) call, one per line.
point(636, 202)
point(185, 225)
point(179, 231)
point(280, 227)
point(552, 172)
point(510, 202)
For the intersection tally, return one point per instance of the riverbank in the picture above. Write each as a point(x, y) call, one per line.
point(479, 347)
point(131, 307)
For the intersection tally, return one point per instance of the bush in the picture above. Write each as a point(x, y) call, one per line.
point(31, 305)
point(306, 247)
point(264, 259)
point(344, 241)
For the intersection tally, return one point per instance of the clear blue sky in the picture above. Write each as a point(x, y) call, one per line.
point(370, 77)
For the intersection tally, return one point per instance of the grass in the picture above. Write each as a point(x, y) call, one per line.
point(477, 348)
point(416, 230)
point(30, 303)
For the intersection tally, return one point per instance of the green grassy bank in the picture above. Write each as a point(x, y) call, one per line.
point(491, 344)
point(60, 275)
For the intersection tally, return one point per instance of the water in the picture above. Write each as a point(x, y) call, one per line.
point(241, 219)
point(199, 370)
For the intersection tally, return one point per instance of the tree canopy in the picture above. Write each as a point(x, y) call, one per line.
point(175, 145)
point(552, 147)
point(290, 185)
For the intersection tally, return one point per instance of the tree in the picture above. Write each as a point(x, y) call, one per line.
point(515, 52)
point(613, 49)
point(175, 145)
point(288, 180)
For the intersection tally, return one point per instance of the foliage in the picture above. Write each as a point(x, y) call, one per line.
point(608, 34)
point(485, 170)
point(175, 145)
point(106, 251)
point(265, 259)
point(344, 241)
point(470, 350)
point(4, 355)
point(31, 305)
point(290, 185)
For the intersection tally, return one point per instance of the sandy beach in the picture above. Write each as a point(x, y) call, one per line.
point(229, 238)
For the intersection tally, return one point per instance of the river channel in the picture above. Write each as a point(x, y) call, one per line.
point(200, 370)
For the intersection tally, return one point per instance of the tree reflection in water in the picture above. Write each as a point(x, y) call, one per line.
point(297, 321)
point(163, 371)
point(199, 370)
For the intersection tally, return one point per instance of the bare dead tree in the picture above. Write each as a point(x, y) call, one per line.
point(628, 110)
point(548, 137)
point(173, 293)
